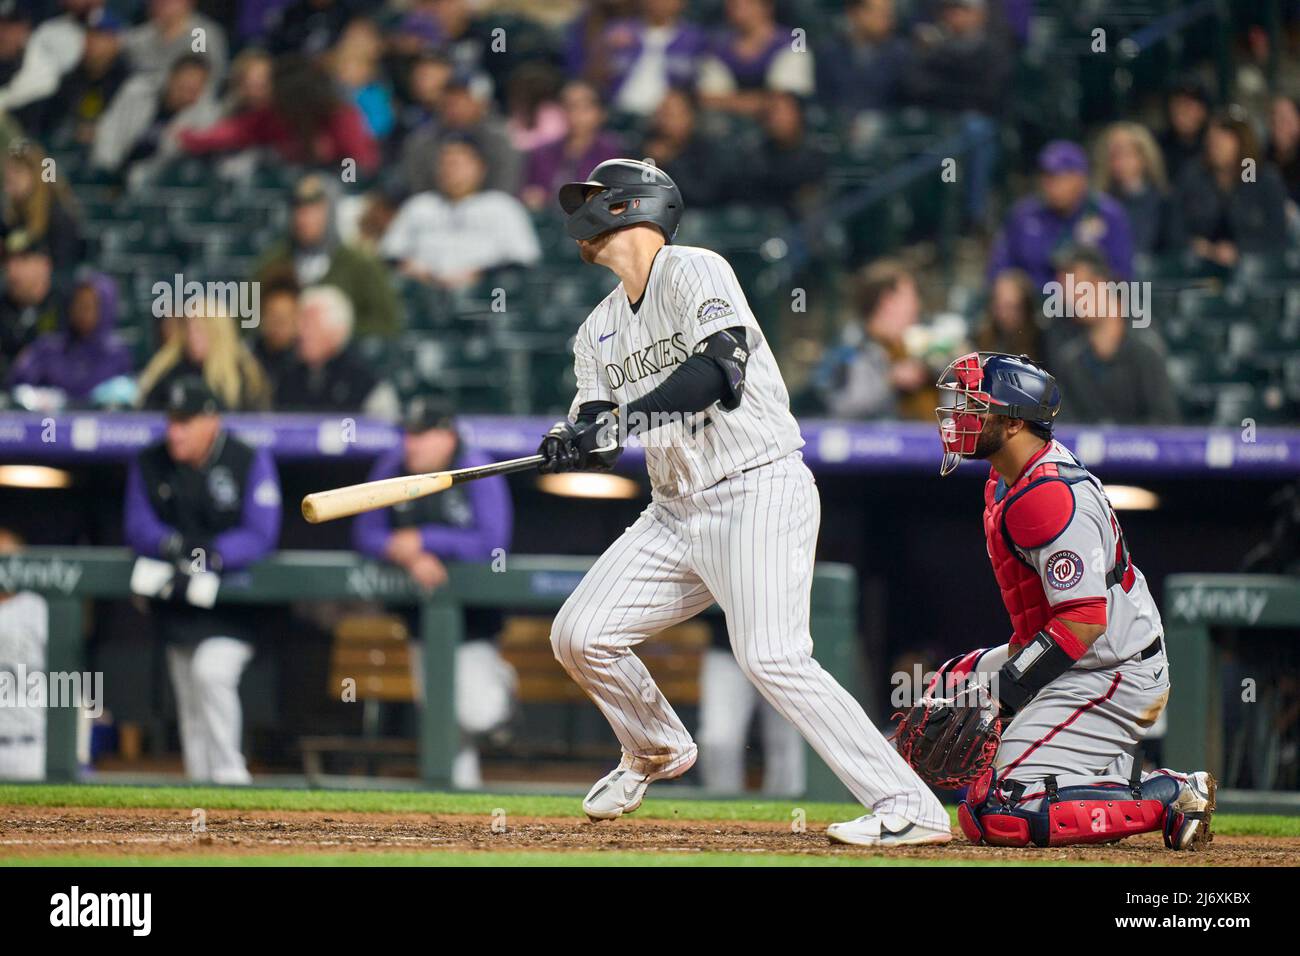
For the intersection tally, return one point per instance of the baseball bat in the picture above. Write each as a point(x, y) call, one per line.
point(370, 495)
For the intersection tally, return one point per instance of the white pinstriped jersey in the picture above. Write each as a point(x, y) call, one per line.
point(620, 355)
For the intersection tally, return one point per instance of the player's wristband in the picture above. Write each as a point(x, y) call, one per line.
point(1050, 654)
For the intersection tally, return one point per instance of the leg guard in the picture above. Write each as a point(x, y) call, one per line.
point(1070, 816)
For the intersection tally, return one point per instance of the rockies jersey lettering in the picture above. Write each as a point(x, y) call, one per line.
point(620, 355)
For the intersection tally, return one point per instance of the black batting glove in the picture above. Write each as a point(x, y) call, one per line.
point(584, 446)
point(559, 448)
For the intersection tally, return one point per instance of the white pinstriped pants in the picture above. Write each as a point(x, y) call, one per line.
point(749, 542)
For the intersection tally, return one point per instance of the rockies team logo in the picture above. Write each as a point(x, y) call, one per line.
point(1064, 570)
point(713, 309)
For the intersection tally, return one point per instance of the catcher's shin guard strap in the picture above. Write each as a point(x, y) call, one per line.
point(1050, 654)
point(1069, 815)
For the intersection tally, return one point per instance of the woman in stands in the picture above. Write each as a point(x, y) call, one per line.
point(209, 347)
point(40, 206)
point(1129, 167)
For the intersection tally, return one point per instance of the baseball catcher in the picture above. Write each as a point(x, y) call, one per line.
point(1044, 729)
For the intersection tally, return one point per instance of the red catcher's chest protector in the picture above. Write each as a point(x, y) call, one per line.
point(1020, 584)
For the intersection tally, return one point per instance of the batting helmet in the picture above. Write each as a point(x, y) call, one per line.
point(980, 384)
point(649, 192)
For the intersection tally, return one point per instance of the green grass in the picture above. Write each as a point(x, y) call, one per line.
point(375, 801)
point(483, 804)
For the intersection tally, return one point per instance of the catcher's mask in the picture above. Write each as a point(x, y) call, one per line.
point(980, 384)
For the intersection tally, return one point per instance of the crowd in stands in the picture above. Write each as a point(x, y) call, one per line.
point(422, 144)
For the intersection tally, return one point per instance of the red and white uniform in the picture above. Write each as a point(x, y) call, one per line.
point(1058, 552)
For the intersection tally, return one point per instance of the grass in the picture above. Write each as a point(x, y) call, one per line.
point(473, 804)
point(483, 804)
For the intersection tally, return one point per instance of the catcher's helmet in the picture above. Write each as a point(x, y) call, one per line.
point(649, 192)
point(980, 384)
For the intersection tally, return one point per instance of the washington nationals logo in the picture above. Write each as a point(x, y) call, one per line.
point(1064, 570)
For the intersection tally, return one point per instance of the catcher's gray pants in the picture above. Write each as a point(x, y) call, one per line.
point(749, 542)
point(1084, 727)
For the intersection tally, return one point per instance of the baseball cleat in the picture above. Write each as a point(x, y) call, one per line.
point(622, 789)
point(885, 830)
point(1187, 821)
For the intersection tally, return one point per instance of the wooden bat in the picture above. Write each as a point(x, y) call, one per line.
point(370, 495)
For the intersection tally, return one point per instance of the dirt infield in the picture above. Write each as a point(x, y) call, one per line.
point(28, 832)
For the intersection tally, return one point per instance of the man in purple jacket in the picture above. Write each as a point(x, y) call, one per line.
point(203, 501)
point(470, 522)
point(1064, 213)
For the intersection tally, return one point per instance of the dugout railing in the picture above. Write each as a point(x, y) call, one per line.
point(1205, 614)
point(70, 577)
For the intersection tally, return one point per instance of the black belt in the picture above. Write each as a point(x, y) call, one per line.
point(1151, 650)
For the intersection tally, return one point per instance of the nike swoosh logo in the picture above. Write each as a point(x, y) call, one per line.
point(1159, 672)
point(606, 336)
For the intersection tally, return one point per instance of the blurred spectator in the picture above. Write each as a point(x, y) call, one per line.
point(787, 169)
point(86, 90)
point(310, 27)
point(753, 54)
point(464, 111)
point(355, 65)
point(207, 504)
point(963, 61)
point(963, 64)
point(314, 255)
point(1187, 110)
point(1284, 142)
point(465, 523)
point(38, 205)
point(329, 375)
point(145, 124)
point(40, 59)
point(1129, 168)
point(464, 39)
point(870, 374)
point(306, 122)
point(85, 351)
point(696, 163)
point(209, 348)
point(426, 78)
point(647, 54)
point(1065, 211)
point(252, 82)
point(862, 68)
point(277, 329)
point(1110, 374)
point(585, 146)
point(534, 117)
point(452, 236)
point(173, 30)
point(585, 53)
point(29, 305)
point(24, 639)
point(1223, 207)
point(1011, 324)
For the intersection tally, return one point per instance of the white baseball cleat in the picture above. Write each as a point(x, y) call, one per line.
point(1187, 824)
point(622, 789)
point(885, 830)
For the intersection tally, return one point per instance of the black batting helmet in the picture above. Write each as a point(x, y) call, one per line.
point(649, 192)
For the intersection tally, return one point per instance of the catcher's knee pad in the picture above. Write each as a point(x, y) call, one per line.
point(1064, 817)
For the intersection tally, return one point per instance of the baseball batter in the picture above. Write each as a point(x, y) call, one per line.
point(1084, 674)
point(675, 356)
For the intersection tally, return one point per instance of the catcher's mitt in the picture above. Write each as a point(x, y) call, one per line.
point(950, 741)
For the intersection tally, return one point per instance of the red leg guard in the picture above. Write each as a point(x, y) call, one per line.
point(1003, 829)
point(1101, 821)
point(970, 825)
